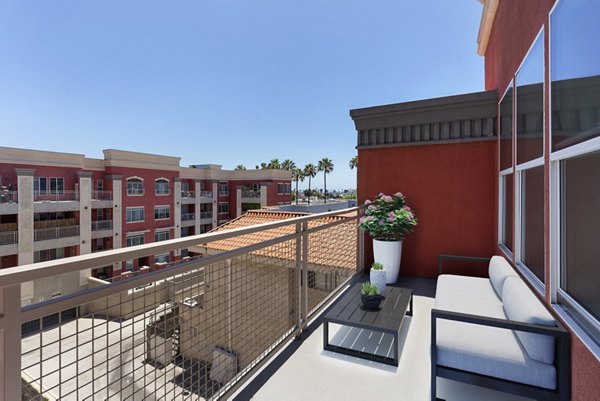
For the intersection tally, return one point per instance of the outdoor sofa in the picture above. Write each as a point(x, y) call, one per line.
point(495, 332)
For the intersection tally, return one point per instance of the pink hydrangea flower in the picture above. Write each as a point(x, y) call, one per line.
point(367, 202)
point(381, 223)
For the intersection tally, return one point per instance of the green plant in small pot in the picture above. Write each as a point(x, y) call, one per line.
point(377, 276)
point(370, 296)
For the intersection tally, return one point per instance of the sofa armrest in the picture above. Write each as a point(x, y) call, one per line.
point(442, 258)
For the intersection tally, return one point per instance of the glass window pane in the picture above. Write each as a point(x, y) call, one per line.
point(575, 69)
point(580, 220)
point(507, 212)
point(530, 104)
point(506, 114)
point(532, 220)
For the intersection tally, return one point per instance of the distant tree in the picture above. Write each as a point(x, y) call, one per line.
point(354, 163)
point(326, 166)
point(274, 164)
point(264, 166)
point(310, 171)
point(297, 175)
point(240, 167)
point(288, 165)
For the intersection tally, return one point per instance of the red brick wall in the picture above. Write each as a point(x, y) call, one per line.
point(450, 187)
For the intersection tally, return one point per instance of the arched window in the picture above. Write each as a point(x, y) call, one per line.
point(135, 186)
point(161, 186)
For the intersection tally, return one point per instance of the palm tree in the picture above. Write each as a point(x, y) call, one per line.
point(354, 163)
point(297, 175)
point(240, 167)
point(274, 164)
point(310, 171)
point(288, 165)
point(326, 166)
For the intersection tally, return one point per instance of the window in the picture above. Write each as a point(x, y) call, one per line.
point(163, 258)
point(223, 207)
point(223, 188)
point(57, 185)
point(575, 165)
point(161, 235)
point(133, 240)
point(283, 188)
point(161, 212)
point(529, 98)
point(135, 186)
point(100, 214)
point(134, 214)
point(161, 186)
point(48, 254)
point(506, 180)
point(40, 185)
point(185, 186)
point(100, 185)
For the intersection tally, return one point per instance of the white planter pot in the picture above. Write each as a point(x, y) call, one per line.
point(378, 277)
point(388, 253)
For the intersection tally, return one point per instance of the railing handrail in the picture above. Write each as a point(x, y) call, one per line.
point(101, 225)
point(19, 274)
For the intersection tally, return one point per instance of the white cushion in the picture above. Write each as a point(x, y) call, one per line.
point(468, 295)
point(522, 305)
point(490, 351)
point(499, 270)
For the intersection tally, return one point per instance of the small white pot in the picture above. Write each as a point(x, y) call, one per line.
point(378, 277)
point(388, 253)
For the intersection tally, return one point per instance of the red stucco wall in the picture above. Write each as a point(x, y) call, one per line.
point(450, 187)
point(516, 25)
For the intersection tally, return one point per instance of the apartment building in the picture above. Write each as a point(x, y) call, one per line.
point(55, 205)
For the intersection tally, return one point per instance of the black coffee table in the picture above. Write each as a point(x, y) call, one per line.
point(349, 311)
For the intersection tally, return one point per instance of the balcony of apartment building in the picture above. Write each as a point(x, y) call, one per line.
point(55, 230)
point(102, 199)
point(102, 228)
point(241, 319)
point(9, 237)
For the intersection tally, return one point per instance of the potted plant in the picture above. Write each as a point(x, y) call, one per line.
point(370, 296)
point(388, 219)
point(377, 275)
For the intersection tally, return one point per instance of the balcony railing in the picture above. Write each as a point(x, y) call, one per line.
point(206, 215)
point(42, 234)
point(180, 332)
point(9, 237)
point(56, 196)
point(188, 216)
point(8, 196)
point(135, 191)
point(250, 193)
point(207, 194)
point(101, 225)
point(188, 194)
point(102, 195)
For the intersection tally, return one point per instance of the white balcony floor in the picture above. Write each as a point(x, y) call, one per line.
point(313, 374)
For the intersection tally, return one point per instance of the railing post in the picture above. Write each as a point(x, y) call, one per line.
point(299, 279)
point(360, 247)
point(10, 343)
point(304, 296)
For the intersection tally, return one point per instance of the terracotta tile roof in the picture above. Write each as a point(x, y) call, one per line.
point(332, 247)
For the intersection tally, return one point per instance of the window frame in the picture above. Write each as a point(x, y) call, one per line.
point(161, 232)
point(161, 180)
point(37, 180)
point(223, 193)
point(157, 209)
point(564, 305)
point(502, 176)
point(219, 207)
point(59, 189)
point(132, 209)
point(520, 169)
point(132, 190)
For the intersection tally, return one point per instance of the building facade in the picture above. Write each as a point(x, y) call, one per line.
point(55, 205)
point(512, 171)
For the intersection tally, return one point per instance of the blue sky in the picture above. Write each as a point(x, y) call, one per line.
point(224, 82)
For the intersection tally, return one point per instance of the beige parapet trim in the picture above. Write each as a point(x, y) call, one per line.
point(93, 164)
point(232, 175)
point(123, 158)
point(40, 157)
point(485, 26)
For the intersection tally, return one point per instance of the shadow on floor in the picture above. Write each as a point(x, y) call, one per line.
point(421, 287)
